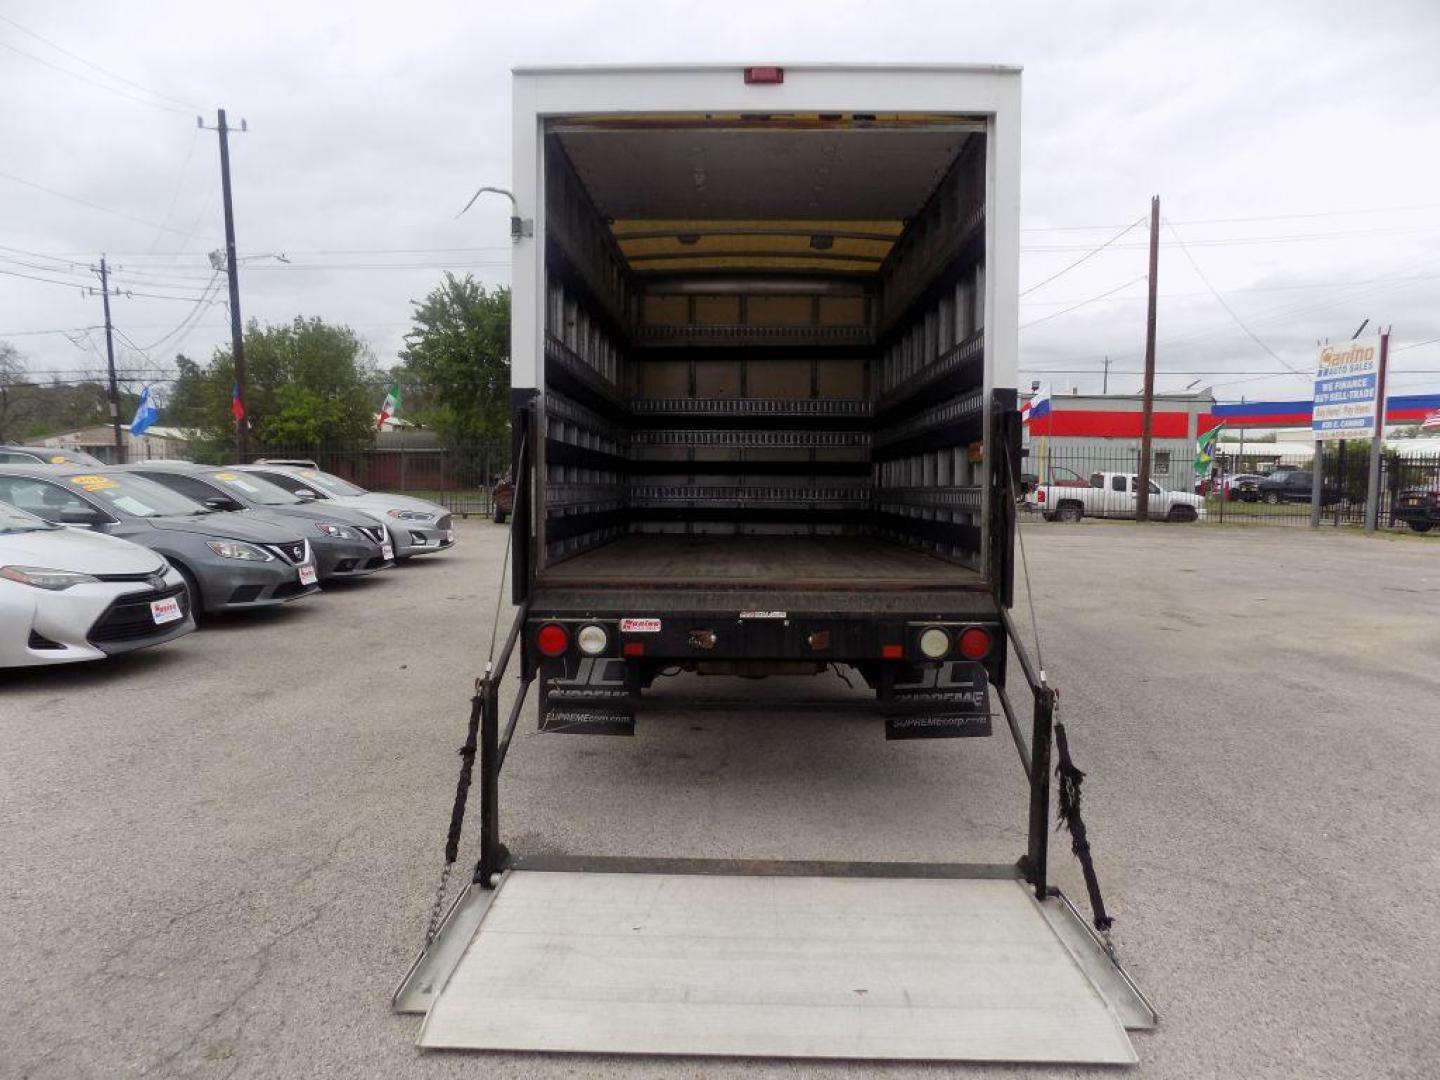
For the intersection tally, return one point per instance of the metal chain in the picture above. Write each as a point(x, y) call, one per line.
point(438, 907)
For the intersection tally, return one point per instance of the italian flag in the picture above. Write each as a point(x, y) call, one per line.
point(389, 408)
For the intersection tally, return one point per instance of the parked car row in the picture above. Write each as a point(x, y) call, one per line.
point(96, 560)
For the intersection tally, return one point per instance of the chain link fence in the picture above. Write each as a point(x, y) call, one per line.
point(1257, 487)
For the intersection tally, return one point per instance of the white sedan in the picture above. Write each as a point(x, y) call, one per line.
point(70, 594)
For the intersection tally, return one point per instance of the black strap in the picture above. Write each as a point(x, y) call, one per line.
point(1070, 778)
point(462, 788)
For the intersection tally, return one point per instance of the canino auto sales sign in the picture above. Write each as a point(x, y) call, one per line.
point(1347, 381)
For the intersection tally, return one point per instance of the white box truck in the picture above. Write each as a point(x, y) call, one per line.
point(764, 412)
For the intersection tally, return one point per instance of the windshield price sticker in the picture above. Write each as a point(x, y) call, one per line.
point(307, 575)
point(92, 483)
point(163, 611)
point(639, 626)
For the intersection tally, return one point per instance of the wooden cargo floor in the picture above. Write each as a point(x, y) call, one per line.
point(850, 563)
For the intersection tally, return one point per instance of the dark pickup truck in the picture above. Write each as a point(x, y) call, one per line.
point(1419, 507)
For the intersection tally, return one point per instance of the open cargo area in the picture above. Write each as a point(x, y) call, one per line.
point(764, 325)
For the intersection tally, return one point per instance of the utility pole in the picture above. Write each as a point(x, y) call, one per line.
point(1105, 383)
point(1147, 415)
point(232, 267)
point(1377, 444)
point(110, 363)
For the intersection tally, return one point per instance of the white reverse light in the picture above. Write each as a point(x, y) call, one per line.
point(934, 642)
point(592, 640)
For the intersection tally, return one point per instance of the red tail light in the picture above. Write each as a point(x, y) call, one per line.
point(1039, 494)
point(552, 639)
point(975, 643)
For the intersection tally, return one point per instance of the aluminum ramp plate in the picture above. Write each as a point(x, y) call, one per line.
point(966, 969)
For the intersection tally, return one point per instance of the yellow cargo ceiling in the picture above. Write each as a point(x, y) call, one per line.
point(823, 246)
point(819, 192)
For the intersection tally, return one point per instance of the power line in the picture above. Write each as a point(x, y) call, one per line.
point(1251, 241)
point(49, 281)
point(87, 203)
point(179, 182)
point(1082, 303)
point(1089, 255)
point(185, 106)
point(88, 82)
point(1258, 217)
point(1228, 309)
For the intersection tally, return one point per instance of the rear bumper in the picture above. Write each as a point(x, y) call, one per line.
point(944, 694)
point(1424, 515)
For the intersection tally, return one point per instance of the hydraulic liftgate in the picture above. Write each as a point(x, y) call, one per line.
point(895, 961)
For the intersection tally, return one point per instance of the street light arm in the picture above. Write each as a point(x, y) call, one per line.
point(519, 227)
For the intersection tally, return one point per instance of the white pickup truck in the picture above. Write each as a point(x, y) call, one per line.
point(1111, 494)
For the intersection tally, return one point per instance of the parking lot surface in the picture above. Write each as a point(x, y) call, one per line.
point(217, 857)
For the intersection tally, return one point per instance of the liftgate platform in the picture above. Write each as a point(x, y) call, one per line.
point(879, 961)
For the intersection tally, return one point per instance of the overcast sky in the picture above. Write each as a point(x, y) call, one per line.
point(1296, 148)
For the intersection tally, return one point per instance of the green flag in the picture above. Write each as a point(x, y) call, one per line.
point(1205, 450)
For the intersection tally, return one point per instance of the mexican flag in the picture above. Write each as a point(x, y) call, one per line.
point(1205, 450)
point(390, 407)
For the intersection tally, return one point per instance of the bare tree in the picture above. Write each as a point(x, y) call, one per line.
point(12, 373)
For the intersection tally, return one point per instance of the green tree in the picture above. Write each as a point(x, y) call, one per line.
point(455, 370)
point(307, 382)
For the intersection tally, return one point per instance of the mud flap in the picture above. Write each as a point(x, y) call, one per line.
point(949, 699)
point(586, 695)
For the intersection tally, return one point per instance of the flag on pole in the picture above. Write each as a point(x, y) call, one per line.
point(1038, 407)
point(389, 408)
point(237, 407)
point(1205, 450)
point(145, 413)
point(1431, 422)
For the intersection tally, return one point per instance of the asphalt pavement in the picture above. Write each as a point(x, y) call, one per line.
point(217, 857)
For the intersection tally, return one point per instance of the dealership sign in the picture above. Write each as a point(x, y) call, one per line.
point(1347, 385)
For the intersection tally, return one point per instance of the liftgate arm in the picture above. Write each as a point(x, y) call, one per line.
point(1037, 769)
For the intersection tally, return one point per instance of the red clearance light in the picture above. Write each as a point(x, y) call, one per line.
point(552, 639)
point(975, 643)
point(892, 652)
point(764, 75)
point(634, 648)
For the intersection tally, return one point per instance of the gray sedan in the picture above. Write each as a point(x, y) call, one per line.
point(347, 542)
point(228, 561)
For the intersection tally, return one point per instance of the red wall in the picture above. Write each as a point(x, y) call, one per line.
point(1103, 424)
